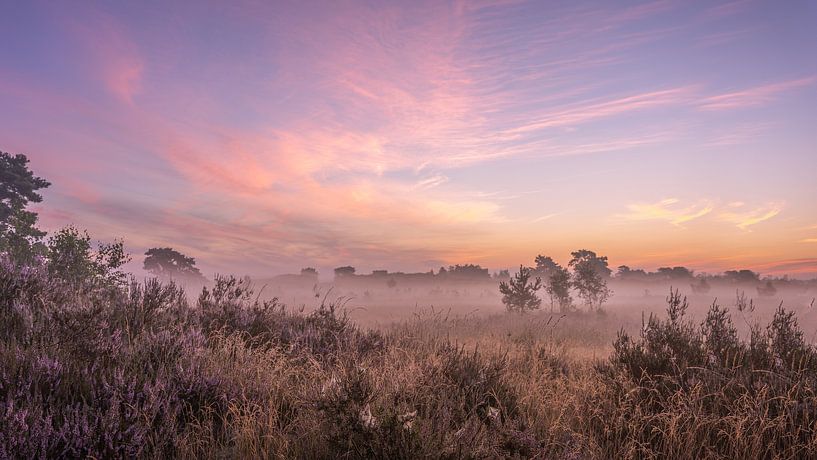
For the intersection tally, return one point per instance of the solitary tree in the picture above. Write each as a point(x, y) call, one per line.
point(168, 263)
point(19, 236)
point(558, 288)
point(519, 293)
point(589, 277)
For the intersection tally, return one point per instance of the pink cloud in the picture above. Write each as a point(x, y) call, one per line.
point(114, 56)
point(592, 110)
point(752, 97)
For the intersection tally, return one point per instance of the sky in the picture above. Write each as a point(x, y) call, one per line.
point(264, 136)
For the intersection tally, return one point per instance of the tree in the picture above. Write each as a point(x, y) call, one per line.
point(558, 288)
point(741, 276)
point(598, 264)
point(344, 271)
point(545, 266)
point(519, 293)
point(468, 271)
point(309, 272)
point(589, 278)
point(19, 236)
point(71, 258)
point(625, 273)
point(675, 273)
point(168, 263)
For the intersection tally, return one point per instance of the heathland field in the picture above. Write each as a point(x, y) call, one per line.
point(146, 370)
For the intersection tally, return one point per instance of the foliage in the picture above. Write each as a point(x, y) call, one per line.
point(72, 259)
point(558, 287)
point(545, 266)
point(588, 279)
point(466, 272)
point(519, 293)
point(590, 259)
point(711, 392)
point(741, 276)
point(19, 236)
point(344, 271)
point(142, 373)
point(168, 264)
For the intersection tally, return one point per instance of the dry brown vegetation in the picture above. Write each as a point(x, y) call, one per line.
point(140, 371)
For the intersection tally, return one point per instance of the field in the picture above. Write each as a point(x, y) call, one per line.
point(146, 370)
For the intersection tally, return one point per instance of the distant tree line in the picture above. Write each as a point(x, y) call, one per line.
point(71, 255)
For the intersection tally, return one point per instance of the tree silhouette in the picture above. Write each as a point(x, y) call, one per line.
point(167, 263)
point(598, 264)
point(344, 271)
point(545, 266)
point(19, 236)
point(589, 277)
point(519, 293)
point(558, 288)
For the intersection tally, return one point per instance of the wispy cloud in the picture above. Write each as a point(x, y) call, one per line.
point(740, 134)
point(431, 181)
point(591, 110)
point(544, 218)
point(329, 131)
point(790, 266)
point(114, 57)
point(755, 96)
point(667, 210)
point(745, 218)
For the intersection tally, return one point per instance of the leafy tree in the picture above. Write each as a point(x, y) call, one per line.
point(626, 273)
point(589, 278)
point(545, 266)
point(741, 276)
point(309, 271)
point(468, 271)
point(558, 288)
point(598, 264)
point(19, 236)
point(168, 263)
point(675, 273)
point(71, 258)
point(519, 293)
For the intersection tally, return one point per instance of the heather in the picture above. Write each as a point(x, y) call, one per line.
point(107, 368)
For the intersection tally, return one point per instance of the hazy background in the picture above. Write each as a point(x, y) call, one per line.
point(262, 137)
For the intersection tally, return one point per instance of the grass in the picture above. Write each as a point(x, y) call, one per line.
point(138, 370)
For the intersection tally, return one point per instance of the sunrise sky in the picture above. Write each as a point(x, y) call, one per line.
point(261, 137)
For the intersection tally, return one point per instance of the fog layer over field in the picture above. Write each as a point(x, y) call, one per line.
point(382, 297)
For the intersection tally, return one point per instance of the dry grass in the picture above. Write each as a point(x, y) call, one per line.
point(138, 372)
